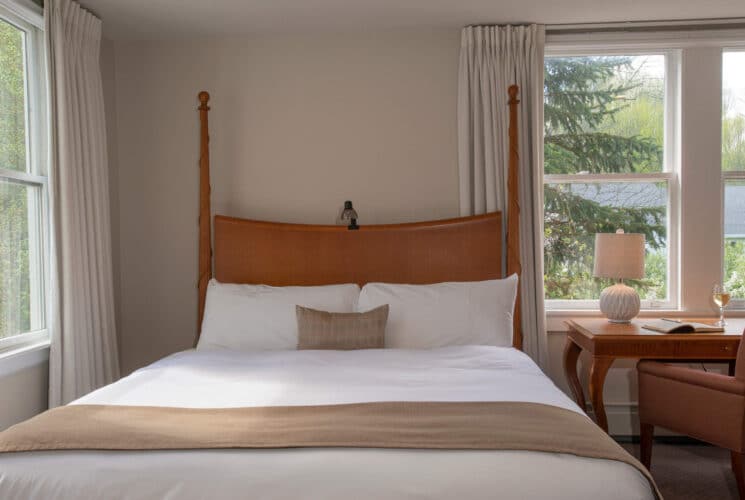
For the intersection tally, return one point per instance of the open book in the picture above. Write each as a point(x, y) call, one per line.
point(675, 326)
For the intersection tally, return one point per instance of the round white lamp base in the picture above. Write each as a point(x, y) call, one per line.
point(619, 303)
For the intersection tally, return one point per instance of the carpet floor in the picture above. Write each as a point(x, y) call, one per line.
point(691, 472)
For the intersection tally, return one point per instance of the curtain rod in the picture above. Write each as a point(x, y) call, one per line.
point(642, 26)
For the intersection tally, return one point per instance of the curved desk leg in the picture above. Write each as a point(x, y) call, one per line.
point(598, 370)
point(571, 355)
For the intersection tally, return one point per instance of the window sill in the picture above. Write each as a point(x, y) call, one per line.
point(555, 317)
point(644, 313)
point(22, 340)
point(22, 356)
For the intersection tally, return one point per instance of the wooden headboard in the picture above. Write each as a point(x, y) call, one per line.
point(271, 253)
point(464, 249)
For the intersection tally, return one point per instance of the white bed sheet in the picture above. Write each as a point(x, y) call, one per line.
point(220, 379)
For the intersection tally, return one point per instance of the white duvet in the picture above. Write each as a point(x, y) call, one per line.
point(219, 379)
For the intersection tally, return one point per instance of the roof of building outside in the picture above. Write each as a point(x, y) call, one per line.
point(645, 194)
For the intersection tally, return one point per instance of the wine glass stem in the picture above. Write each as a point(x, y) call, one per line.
point(721, 315)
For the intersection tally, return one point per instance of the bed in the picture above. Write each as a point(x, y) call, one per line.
point(206, 384)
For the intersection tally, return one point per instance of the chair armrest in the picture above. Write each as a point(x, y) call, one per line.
point(714, 381)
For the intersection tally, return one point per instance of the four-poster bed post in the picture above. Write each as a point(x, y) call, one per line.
point(513, 211)
point(205, 225)
point(513, 220)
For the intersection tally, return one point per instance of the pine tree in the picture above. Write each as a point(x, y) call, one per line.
point(581, 97)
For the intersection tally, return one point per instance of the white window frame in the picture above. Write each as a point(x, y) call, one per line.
point(27, 17)
point(734, 175)
point(669, 173)
point(698, 152)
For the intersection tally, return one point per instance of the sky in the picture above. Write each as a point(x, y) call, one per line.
point(733, 76)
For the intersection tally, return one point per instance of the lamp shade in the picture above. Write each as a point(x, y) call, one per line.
point(619, 255)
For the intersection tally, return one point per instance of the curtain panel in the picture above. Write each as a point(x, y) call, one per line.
point(83, 353)
point(491, 59)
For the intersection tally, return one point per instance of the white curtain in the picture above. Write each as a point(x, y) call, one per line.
point(81, 310)
point(491, 59)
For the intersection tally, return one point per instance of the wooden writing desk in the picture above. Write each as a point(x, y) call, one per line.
point(607, 341)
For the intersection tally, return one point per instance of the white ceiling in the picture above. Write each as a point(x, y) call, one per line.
point(152, 19)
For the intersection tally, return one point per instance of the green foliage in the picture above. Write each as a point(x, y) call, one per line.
point(734, 267)
point(654, 284)
point(733, 142)
point(570, 226)
point(733, 158)
point(601, 117)
point(601, 153)
point(579, 93)
point(14, 251)
point(12, 99)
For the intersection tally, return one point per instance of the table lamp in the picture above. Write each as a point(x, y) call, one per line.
point(619, 256)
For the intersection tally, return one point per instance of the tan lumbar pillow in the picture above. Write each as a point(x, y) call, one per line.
point(341, 331)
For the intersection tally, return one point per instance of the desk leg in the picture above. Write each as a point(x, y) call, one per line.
point(571, 355)
point(598, 370)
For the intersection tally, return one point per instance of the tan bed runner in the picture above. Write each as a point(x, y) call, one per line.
point(434, 425)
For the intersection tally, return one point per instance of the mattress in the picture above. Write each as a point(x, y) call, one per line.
point(225, 379)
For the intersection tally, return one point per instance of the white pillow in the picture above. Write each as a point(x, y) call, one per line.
point(445, 314)
point(261, 317)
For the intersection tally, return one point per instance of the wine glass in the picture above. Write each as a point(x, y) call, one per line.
point(721, 298)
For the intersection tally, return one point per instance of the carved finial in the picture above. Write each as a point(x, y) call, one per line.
point(204, 98)
point(513, 91)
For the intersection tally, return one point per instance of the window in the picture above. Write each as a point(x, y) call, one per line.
point(22, 183)
point(733, 172)
point(607, 166)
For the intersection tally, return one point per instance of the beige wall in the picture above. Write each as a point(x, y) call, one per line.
point(24, 385)
point(299, 124)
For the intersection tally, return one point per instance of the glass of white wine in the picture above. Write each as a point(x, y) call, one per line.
point(721, 299)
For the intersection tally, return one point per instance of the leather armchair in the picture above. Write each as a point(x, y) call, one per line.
point(702, 405)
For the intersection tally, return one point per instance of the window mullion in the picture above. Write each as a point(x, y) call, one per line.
point(700, 189)
point(593, 178)
point(22, 177)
